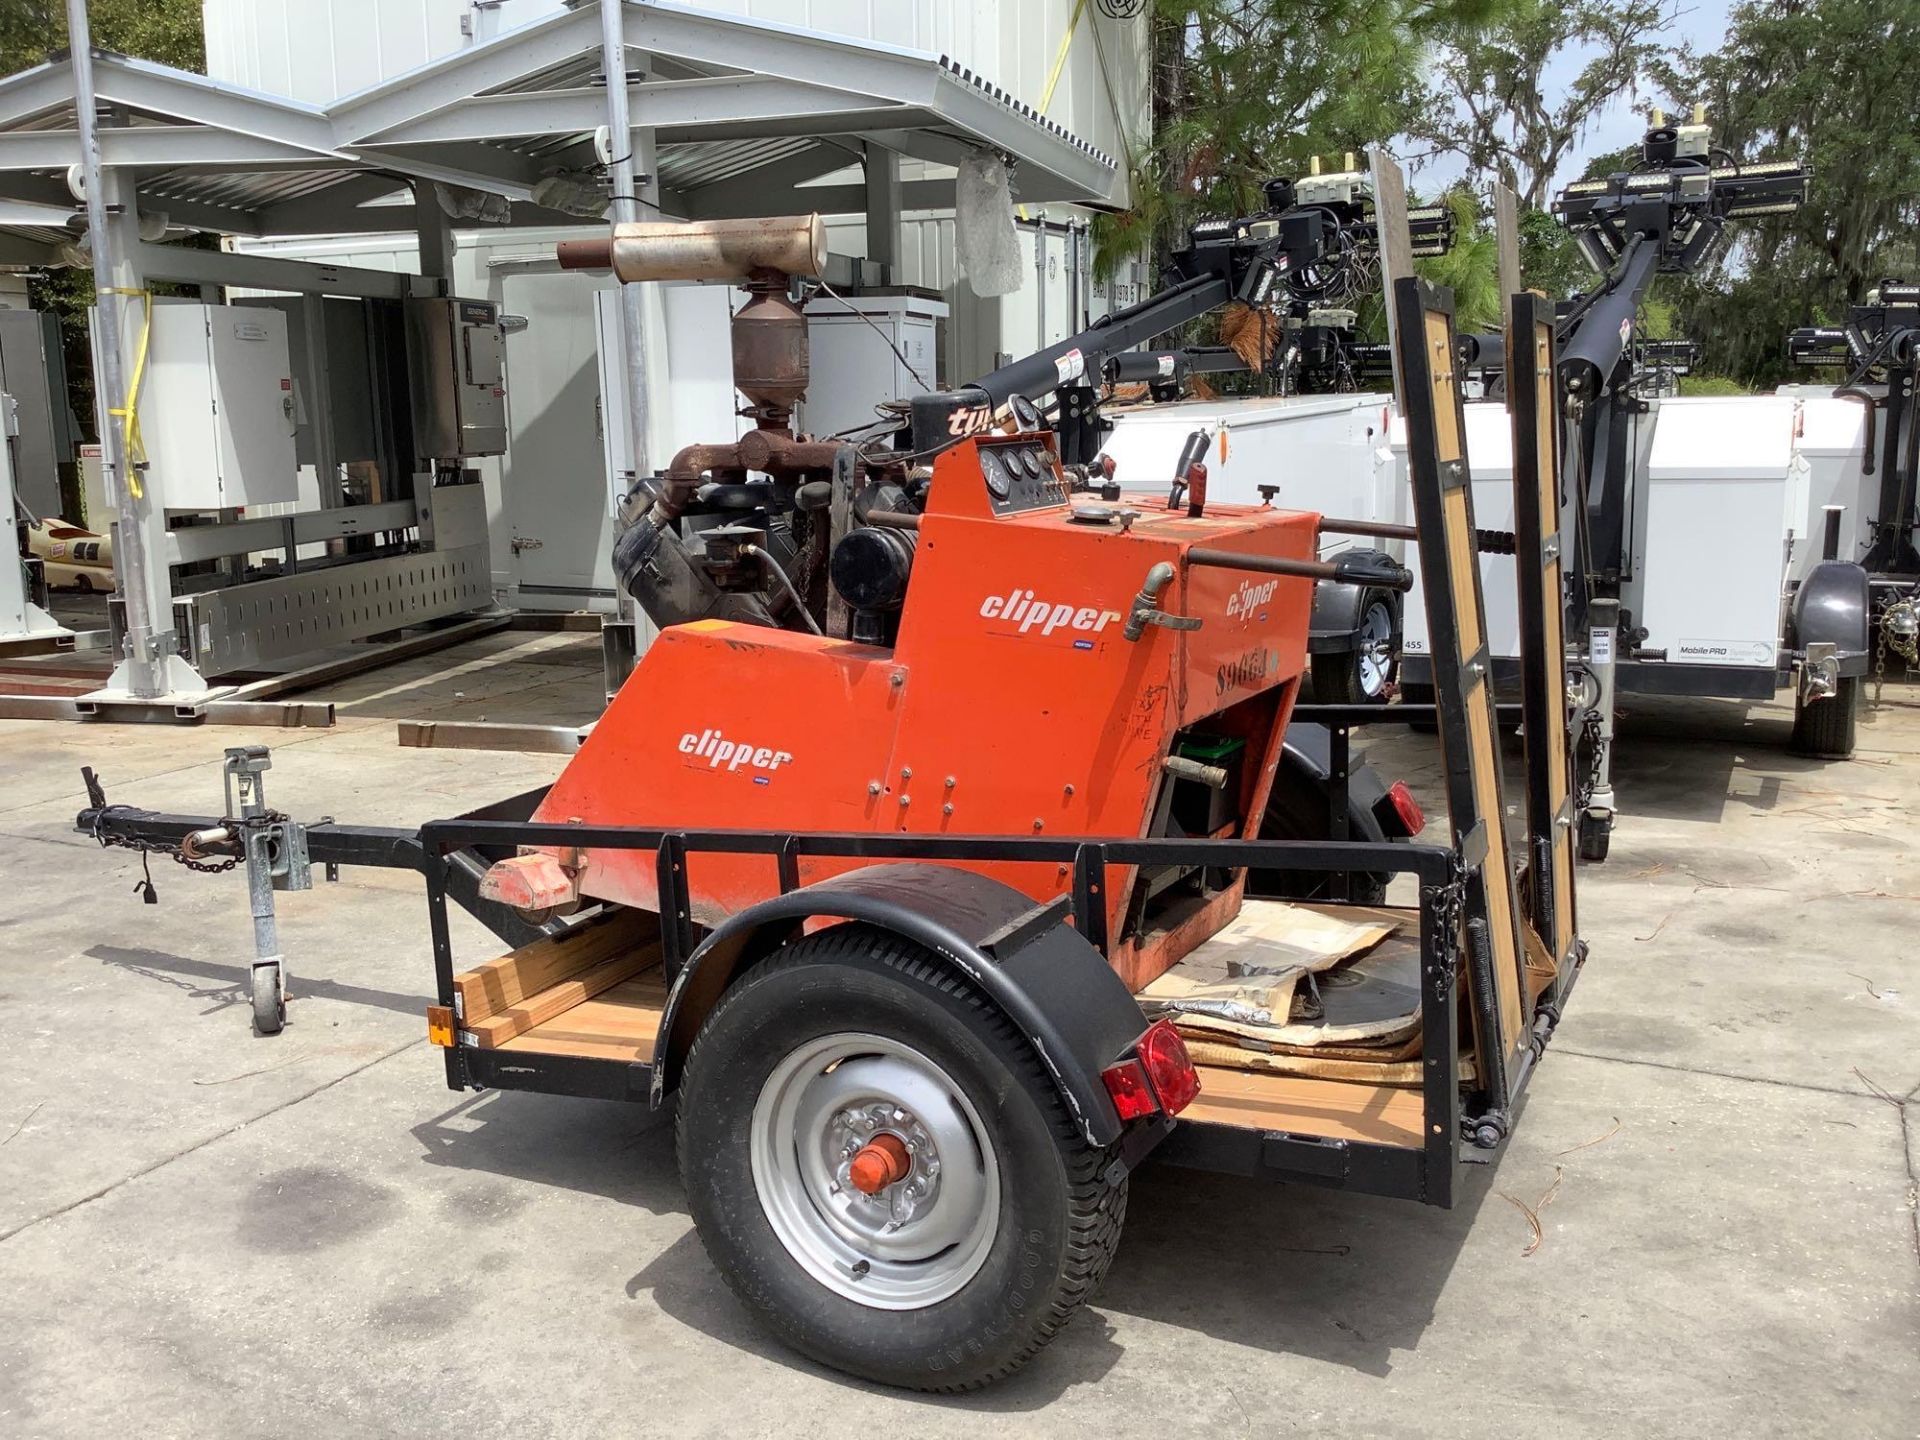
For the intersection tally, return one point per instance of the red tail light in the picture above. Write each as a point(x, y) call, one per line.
point(1132, 1094)
point(1406, 807)
point(1157, 1078)
point(1169, 1066)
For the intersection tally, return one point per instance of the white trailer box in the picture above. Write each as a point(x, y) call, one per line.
point(866, 349)
point(1326, 453)
point(1726, 503)
point(217, 409)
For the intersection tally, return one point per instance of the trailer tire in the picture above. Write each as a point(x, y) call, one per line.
point(799, 1049)
point(1826, 729)
point(1364, 673)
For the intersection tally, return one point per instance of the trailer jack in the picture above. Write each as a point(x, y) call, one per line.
point(273, 847)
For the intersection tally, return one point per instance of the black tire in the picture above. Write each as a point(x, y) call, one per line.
point(1595, 836)
point(1826, 729)
point(1061, 1202)
point(1341, 677)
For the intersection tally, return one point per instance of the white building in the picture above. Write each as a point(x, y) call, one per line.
point(549, 505)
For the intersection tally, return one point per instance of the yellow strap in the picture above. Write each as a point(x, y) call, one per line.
point(1059, 66)
point(1060, 60)
point(129, 413)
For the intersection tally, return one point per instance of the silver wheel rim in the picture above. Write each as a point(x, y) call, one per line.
point(918, 1241)
point(1375, 651)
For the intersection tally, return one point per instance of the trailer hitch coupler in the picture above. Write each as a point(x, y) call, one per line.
point(198, 844)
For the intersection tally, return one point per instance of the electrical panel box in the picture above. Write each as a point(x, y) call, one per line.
point(866, 350)
point(457, 354)
point(216, 411)
point(32, 371)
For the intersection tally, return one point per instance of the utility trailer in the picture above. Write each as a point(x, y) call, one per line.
point(913, 1066)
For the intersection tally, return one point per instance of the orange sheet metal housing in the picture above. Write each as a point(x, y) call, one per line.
point(1012, 703)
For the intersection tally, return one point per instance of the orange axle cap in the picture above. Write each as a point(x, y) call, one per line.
point(882, 1161)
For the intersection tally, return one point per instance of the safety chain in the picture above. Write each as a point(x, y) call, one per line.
point(1590, 737)
point(1449, 916)
point(144, 887)
point(1907, 648)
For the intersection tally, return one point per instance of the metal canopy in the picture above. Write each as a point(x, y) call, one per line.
point(741, 112)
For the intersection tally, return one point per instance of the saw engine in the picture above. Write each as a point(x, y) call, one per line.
point(962, 628)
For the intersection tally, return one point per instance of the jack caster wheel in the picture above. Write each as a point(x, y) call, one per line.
point(269, 1001)
point(1825, 728)
point(883, 1172)
point(1596, 834)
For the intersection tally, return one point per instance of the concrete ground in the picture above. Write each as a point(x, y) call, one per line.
point(203, 1233)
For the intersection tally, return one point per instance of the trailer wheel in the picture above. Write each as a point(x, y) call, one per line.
point(269, 1000)
point(1826, 728)
point(1364, 674)
point(1595, 836)
point(883, 1172)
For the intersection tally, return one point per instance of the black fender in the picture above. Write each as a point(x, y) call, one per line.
point(1306, 760)
point(1833, 607)
point(1336, 612)
point(1024, 956)
point(1300, 808)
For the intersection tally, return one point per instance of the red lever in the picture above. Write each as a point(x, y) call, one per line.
point(1196, 490)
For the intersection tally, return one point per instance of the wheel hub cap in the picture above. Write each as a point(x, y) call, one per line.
point(874, 1171)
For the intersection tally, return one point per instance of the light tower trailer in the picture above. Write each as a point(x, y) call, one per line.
point(1317, 439)
point(1863, 448)
point(1650, 482)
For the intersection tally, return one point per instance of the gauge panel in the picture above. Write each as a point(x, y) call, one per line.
point(1020, 476)
point(1000, 471)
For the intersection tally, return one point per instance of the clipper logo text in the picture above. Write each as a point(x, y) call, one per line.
point(1027, 614)
point(1249, 598)
point(718, 751)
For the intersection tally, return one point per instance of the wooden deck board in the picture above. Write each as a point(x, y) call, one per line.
point(1336, 1109)
point(617, 1024)
point(499, 985)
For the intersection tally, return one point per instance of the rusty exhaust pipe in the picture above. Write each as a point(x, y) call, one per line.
point(704, 249)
